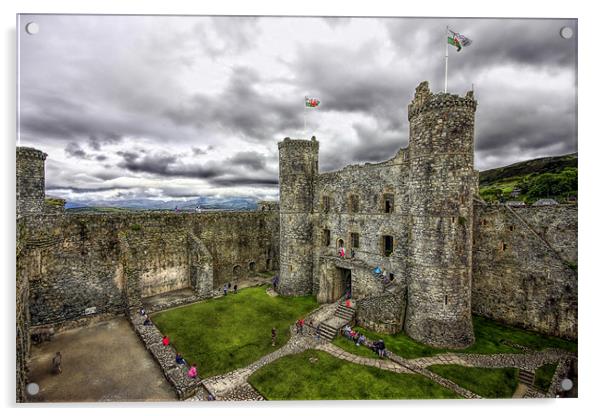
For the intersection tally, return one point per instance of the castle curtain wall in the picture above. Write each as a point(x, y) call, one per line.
point(76, 268)
point(524, 267)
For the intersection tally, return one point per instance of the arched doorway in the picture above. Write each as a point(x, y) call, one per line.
point(237, 271)
point(340, 243)
point(252, 266)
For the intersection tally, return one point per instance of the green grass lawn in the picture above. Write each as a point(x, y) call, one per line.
point(543, 376)
point(295, 377)
point(486, 382)
point(230, 332)
point(489, 337)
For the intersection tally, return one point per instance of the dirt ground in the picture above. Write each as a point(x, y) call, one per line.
point(103, 362)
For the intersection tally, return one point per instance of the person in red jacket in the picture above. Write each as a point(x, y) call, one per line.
point(165, 340)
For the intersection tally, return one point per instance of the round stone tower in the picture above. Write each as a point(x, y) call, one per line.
point(30, 181)
point(298, 172)
point(441, 188)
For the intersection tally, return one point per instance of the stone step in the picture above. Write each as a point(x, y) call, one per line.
point(327, 332)
point(526, 377)
point(345, 316)
point(344, 312)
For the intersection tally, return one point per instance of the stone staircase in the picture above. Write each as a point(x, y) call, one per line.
point(330, 327)
point(344, 312)
point(327, 332)
point(526, 377)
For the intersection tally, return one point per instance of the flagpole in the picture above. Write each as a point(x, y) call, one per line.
point(304, 117)
point(446, 57)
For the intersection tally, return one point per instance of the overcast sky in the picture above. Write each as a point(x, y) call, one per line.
point(178, 107)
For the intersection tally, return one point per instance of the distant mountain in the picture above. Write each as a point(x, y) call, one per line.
point(202, 203)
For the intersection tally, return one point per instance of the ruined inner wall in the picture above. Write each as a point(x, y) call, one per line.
point(524, 270)
point(368, 184)
point(80, 264)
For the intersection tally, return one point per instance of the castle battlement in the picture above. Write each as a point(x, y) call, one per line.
point(424, 100)
point(31, 153)
point(299, 143)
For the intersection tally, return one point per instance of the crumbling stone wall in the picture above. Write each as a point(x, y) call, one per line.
point(525, 267)
point(73, 267)
point(239, 242)
point(87, 264)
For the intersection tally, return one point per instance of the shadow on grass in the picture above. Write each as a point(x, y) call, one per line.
point(490, 338)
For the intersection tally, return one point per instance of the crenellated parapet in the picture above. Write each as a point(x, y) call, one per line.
point(424, 101)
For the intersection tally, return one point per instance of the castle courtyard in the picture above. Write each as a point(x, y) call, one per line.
point(229, 338)
point(102, 362)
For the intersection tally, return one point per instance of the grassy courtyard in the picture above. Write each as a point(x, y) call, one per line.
point(493, 383)
point(544, 375)
point(316, 375)
point(230, 332)
point(490, 338)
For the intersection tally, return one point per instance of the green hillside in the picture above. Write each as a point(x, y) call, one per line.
point(547, 177)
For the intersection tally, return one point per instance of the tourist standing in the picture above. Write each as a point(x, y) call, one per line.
point(235, 288)
point(192, 372)
point(275, 281)
point(225, 289)
point(57, 361)
point(165, 340)
point(273, 337)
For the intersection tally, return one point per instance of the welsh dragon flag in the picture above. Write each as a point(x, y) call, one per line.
point(311, 102)
point(458, 40)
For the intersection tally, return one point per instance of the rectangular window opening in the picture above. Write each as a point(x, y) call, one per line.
point(326, 203)
point(326, 237)
point(389, 203)
point(387, 245)
point(355, 240)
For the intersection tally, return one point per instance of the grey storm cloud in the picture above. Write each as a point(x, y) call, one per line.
point(130, 99)
point(240, 109)
point(248, 167)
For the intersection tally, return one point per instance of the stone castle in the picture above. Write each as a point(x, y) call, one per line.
point(418, 217)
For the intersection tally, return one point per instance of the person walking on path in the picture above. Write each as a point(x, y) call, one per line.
point(165, 340)
point(56, 363)
point(225, 289)
point(235, 288)
point(273, 337)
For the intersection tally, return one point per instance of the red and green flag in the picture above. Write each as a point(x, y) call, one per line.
point(311, 102)
point(458, 40)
